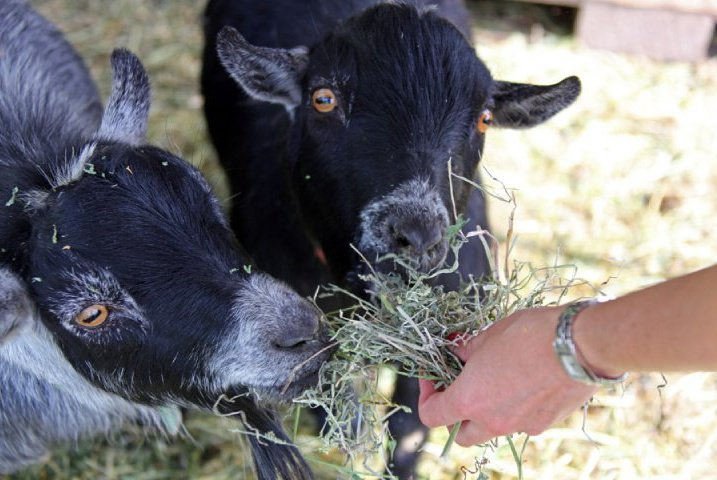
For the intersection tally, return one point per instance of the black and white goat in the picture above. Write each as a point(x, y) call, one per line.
point(338, 121)
point(123, 293)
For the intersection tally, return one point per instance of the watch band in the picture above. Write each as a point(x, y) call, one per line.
point(566, 351)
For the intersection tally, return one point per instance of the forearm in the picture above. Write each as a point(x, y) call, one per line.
point(671, 326)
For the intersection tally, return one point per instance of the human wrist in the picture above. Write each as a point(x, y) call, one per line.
point(567, 351)
point(594, 342)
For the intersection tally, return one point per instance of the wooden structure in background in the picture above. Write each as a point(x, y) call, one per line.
point(661, 29)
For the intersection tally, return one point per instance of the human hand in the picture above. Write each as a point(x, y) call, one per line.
point(511, 382)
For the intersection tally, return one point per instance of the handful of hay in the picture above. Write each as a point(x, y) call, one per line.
point(406, 324)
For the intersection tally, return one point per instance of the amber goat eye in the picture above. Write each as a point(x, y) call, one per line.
point(323, 100)
point(93, 316)
point(484, 121)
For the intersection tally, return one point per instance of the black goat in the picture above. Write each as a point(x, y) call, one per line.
point(342, 130)
point(124, 295)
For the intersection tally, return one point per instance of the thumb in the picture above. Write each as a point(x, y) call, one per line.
point(426, 389)
point(465, 349)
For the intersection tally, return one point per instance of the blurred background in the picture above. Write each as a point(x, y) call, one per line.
point(622, 184)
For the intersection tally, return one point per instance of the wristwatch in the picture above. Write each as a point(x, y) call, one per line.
point(566, 351)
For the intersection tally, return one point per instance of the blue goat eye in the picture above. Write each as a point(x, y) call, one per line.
point(323, 100)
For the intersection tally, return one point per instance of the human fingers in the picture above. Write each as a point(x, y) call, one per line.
point(533, 415)
point(436, 409)
point(473, 433)
point(426, 389)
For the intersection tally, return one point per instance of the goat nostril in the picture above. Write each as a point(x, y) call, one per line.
point(402, 242)
point(291, 343)
point(420, 239)
point(303, 329)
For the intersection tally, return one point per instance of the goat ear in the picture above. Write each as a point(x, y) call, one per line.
point(127, 111)
point(269, 74)
point(16, 310)
point(521, 105)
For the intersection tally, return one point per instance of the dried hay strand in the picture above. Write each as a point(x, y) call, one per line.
point(412, 325)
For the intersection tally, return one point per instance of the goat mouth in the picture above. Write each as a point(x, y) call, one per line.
point(294, 387)
point(402, 264)
point(302, 377)
point(306, 374)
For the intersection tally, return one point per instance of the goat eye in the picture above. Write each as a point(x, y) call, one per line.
point(484, 121)
point(323, 100)
point(93, 316)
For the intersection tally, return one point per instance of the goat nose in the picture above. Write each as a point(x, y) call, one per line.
point(302, 328)
point(417, 237)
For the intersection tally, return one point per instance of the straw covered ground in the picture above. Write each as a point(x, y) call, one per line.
point(621, 185)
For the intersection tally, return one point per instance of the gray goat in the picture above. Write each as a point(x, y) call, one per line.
point(123, 293)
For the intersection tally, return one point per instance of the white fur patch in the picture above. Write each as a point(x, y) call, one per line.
point(72, 170)
point(33, 200)
point(246, 354)
point(16, 308)
point(415, 200)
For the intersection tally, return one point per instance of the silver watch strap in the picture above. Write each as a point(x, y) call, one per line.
point(566, 351)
